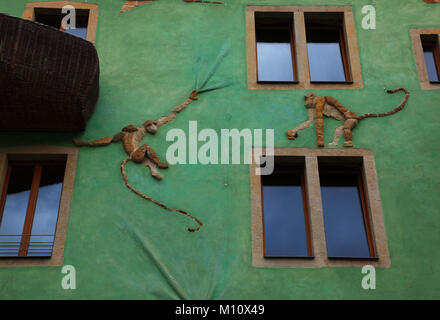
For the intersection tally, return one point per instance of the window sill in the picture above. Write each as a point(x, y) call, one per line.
point(354, 258)
point(275, 82)
point(331, 82)
point(24, 258)
point(299, 257)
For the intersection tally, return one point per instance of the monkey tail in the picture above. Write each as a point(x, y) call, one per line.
point(402, 105)
point(129, 186)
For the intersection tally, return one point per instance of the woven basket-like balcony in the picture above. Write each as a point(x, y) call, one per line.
point(49, 79)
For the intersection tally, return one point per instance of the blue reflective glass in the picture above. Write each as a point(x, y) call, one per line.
point(274, 61)
point(79, 32)
point(343, 216)
point(325, 62)
point(46, 211)
point(431, 66)
point(284, 216)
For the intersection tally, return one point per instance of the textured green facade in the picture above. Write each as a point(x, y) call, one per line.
point(125, 247)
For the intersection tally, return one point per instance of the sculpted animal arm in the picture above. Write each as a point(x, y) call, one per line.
point(293, 134)
point(328, 106)
point(100, 142)
point(131, 137)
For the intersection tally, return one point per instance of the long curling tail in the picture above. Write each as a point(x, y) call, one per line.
point(402, 105)
point(129, 186)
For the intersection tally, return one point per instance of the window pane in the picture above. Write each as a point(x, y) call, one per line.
point(284, 222)
point(325, 62)
point(48, 16)
point(274, 46)
point(323, 32)
point(14, 212)
point(79, 32)
point(274, 61)
point(343, 216)
point(54, 16)
point(431, 66)
point(46, 211)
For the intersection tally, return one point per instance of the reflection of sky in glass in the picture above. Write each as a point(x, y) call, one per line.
point(12, 222)
point(325, 62)
point(430, 65)
point(45, 215)
point(344, 222)
point(14, 211)
point(284, 223)
point(274, 61)
point(79, 32)
point(45, 219)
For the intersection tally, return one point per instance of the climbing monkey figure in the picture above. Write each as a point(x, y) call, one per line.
point(131, 137)
point(320, 106)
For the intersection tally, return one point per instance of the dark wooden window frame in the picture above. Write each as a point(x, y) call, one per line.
point(292, 50)
point(29, 13)
point(43, 155)
point(306, 216)
point(344, 55)
point(416, 37)
point(364, 205)
point(32, 201)
point(434, 46)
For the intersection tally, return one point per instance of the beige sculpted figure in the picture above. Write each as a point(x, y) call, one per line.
point(320, 106)
point(131, 137)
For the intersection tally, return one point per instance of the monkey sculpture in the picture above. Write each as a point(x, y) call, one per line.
point(131, 137)
point(319, 106)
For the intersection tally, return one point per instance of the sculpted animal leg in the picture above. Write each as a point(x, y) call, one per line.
point(293, 134)
point(153, 169)
point(349, 124)
point(153, 157)
point(319, 123)
point(100, 142)
point(338, 132)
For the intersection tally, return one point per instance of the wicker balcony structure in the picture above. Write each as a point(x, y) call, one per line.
point(49, 79)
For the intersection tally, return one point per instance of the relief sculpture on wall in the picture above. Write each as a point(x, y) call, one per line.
point(131, 137)
point(320, 106)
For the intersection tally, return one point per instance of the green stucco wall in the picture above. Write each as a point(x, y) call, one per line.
point(120, 243)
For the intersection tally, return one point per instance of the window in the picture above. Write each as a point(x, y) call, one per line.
point(346, 219)
point(275, 47)
point(294, 47)
point(286, 221)
point(426, 47)
point(319, 208)
point(35, 192)
point(430, 46)
point(326, 48)
point(50, 13)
